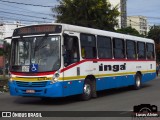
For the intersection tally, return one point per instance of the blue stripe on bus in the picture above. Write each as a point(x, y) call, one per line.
point(121, 81)
point(51, 90)
point(67, 88)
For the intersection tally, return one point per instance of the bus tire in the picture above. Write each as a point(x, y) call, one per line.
point(87, 90)
point(137, 84)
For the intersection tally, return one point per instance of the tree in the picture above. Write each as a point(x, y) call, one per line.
point(88, 13)
point(154, 34)
point(1, 51)
point(5, 51)
point(129, 31)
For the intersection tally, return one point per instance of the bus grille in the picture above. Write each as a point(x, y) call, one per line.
point(31, 84)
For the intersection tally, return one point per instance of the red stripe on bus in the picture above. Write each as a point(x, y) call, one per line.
point(77, 63)
point(33, 74)
point(103, 60)
point(73, 65)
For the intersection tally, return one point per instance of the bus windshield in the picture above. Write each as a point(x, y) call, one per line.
point(42, 51)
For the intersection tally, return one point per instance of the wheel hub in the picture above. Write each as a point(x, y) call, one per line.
point(87, 89)
point(138, 82)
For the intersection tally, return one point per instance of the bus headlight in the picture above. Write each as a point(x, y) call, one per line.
point(55, 78)
point(56, 75)
point(10, 77)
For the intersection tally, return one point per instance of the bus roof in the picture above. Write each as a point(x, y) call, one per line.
point(103, 33)
point(74, 28)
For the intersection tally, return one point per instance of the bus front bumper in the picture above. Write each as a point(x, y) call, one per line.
point(49, 90)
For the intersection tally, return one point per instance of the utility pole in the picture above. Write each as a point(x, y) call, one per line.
point(4, 59)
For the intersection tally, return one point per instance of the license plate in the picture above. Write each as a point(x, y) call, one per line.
point(30, 91)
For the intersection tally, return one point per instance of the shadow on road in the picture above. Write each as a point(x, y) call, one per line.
point(116, 91)
point(74, 99)
point(46, 101)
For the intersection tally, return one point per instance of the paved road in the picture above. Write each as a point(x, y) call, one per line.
point(122, 99)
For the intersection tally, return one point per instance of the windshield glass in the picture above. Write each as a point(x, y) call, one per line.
point(41, 52)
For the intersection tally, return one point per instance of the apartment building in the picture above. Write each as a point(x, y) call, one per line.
point(6, 29)
point(139, 23)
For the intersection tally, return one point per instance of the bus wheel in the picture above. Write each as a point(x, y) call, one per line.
point(87, 90)
point(137, 81)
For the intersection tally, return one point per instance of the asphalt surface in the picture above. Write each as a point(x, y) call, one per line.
point(122, 99)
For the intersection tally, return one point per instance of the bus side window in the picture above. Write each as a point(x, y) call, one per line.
point(150, 51)
point(141, 50)
point(104, 46)
point(71, 53)
point(88, 46)
point(83, 52)
point(119, 49)
point(131, 49)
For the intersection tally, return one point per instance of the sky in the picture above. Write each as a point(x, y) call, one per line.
point(148, 8)
point(29, 14)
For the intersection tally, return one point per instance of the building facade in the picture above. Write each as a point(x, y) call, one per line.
point(139, 23)
point(6, 29)
point(122, 8)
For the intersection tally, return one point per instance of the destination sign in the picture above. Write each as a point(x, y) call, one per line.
point(37, 29)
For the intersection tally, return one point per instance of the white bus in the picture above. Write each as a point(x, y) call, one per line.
point(59, 60)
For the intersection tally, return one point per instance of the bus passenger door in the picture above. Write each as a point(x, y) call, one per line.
point(71, 60)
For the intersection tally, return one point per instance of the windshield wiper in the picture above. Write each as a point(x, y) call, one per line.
point(24, 43)
point(40, 45)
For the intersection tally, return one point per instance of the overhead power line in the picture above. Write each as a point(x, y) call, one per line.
point(150, 17)
point(153, 17)
point(21, 11)
point(17, 19)
point(25, 4)
point(24, 15)
point(26, 10)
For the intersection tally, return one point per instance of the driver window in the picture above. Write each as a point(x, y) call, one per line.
point(71, 50)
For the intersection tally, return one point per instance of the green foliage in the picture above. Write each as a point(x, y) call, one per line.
point(6, 50)
point(129, 31)
point(154, 34)
point(1, 51)
point(88, 13)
